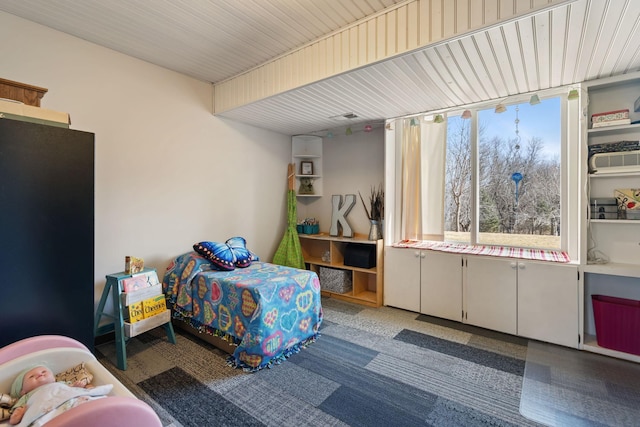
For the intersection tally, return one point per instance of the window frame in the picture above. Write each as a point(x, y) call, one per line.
point(570, 155)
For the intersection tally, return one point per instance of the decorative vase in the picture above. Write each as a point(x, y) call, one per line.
point(374, 230)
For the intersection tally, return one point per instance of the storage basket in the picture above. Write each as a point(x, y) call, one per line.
point(359, 255)
point(308, 229)
point(617, 323)
point(335, 280)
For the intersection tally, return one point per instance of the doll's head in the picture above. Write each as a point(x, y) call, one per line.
point(30, 379)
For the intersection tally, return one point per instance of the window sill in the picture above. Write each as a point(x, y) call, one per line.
point(498, 251)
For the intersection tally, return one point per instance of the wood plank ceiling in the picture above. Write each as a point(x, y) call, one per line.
point(573, 42)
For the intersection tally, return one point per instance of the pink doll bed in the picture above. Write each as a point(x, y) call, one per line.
point(120, 408)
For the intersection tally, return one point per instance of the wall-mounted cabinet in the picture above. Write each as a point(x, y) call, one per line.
point(612, 248)
point(306, 153)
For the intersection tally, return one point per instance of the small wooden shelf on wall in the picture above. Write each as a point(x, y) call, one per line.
point(307, 149)
point(367, 283)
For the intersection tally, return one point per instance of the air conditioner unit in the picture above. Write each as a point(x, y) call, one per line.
point(615, 162)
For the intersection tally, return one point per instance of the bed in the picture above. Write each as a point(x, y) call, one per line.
point(266, 312)
point(119, 408)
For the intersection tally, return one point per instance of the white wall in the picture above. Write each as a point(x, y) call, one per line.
point(351, 163)
point(167, 172)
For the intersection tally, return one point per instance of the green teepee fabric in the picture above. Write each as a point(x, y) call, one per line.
point(289, 252)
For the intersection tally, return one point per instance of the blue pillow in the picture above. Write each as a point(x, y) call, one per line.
point(226, 256)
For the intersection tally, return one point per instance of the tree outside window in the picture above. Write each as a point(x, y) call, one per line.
point(517, 175)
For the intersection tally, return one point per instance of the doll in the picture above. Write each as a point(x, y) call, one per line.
point(40, 397)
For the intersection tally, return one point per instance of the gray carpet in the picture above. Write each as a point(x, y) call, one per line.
point(370, 367)
point(567, 387)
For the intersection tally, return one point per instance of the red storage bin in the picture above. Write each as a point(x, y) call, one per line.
point(617, 323)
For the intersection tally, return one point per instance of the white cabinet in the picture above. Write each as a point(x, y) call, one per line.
point(307, 149)
point(531, 299)
point(441, 285)
point(402, 278)
point(424, 281)
point(490, 297)
point(548, 302)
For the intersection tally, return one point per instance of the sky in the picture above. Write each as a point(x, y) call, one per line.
point(541, 120)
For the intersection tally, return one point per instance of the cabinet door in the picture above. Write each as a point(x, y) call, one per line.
point(402, 278)
point(46, 232)
point(548, 302)
point(490, 293)
point(441, 285)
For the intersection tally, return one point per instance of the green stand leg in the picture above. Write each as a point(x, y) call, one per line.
point(168, 327)
point(121, 351)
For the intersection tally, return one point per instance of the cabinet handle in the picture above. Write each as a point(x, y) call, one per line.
point(521, 265)
point(514, 264)
point(423, 254)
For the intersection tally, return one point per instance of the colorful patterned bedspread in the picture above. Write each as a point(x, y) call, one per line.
point(269, 311)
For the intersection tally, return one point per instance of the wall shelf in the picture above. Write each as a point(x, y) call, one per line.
point(616, 221)
point(614, 269)
point(614, 130)
point(591, 344)
point(308, 148)
point(617, 239)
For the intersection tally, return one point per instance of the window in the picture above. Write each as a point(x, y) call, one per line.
point(505, 176)
point(519, 175)
point(458, 191)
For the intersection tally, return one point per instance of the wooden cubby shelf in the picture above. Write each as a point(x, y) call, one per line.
point(367, 283)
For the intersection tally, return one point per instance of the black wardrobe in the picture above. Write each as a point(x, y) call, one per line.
point(46, 232)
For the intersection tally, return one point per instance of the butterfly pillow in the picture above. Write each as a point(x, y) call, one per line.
point(228, 255)
point(242, 255)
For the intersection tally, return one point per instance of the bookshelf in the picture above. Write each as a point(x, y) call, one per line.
point(617, 273)
point(367, 283)
point(124, 329)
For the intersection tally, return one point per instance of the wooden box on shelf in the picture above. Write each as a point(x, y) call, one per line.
point(323, 250)
point(22, 92)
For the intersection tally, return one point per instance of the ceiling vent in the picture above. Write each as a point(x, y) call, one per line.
point(345, 116)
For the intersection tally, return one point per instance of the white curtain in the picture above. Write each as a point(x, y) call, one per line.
point(411, 212)
point(423, 176)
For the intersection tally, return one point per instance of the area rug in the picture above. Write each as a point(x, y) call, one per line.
point(370, 367)
point(568, 387)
